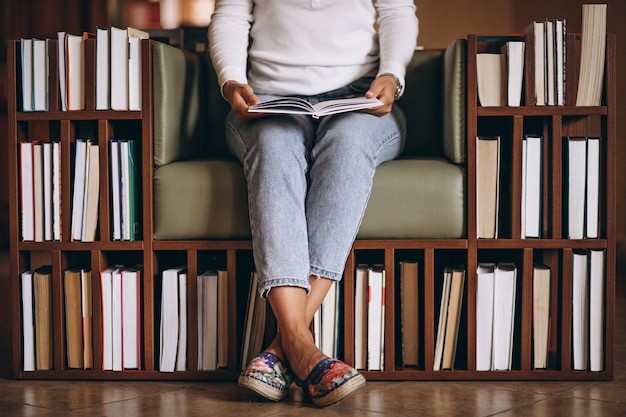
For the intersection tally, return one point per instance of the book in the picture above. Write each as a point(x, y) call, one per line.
point(134, 67)
point(531, 185)
point(42, 284)
point(40, 75)
point(597, 280)
point(62, 69)
point(26, 61)
point(487, 185)
point(491, 79)
point(504, 294)
point(86, 315)
point(131, 318)
point(548, 26)
point(27, 208)
point(208, 288)
point(296, 105)
point(327, 312)
point(560, 36)
point(485, 275)
point(78, 193)
point(541, 315)
point(514, 53)
point(75, 66)
point(255, 322)
point(222, 318)
point(375, 323)
point(116, 319)
point(129, 167)
point(119, 68)
point(56, 191)
point(106, 291)
point(574, 180)
point(592, 195)
point(116, 191)
point(360, 317)
point(455, 303)
point(443, 318)
point(47, 189)
point(409, 312)
point(103, 69)
point(592, 55)
point(580, 309)
point(181, 351)
point(28, 321)
point(91, 194)
point(73, 318)
point(169, 324)
point(536, 30)
point(38, 190)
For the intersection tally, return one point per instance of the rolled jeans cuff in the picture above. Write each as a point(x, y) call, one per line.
point(270, 283)
point(324, 273)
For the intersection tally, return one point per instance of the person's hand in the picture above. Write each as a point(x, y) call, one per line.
point(384, 89)
point(240, 97)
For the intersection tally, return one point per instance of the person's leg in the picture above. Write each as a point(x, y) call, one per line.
point(344, 158)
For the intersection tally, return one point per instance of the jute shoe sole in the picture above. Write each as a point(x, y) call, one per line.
point(262, 388)
point(341, 392)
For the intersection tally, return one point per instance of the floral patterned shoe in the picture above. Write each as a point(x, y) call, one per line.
point(268, 376)
point(330, 381)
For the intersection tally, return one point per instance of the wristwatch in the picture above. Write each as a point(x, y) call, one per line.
point(399, 86)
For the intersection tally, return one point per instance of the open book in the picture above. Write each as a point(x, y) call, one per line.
point(295, 105)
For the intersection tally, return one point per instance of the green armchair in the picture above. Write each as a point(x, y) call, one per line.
point(200, 191)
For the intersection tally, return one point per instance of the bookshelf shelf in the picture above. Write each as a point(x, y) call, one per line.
point(235, 256)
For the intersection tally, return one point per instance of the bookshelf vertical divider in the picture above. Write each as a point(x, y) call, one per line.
point(432, 255)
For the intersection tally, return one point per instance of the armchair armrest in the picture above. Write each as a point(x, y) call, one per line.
point(179, 103)
point(455, 90)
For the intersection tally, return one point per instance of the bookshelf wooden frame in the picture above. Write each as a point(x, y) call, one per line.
point(235, 256)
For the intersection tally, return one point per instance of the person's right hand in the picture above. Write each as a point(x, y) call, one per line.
point(240, 97)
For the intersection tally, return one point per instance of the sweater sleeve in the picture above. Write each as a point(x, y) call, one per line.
point(228, 39)
point(397, 32)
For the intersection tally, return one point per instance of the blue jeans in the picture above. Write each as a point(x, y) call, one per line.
point(309, 181)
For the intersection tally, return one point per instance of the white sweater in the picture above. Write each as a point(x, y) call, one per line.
point(310, 46)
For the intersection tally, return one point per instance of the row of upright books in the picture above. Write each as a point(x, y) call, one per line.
point(117, 68)
point(500, 75)
point(40, 190)
point(582, 178)
point(212, 320)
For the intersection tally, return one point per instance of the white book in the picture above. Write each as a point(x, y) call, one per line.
point(103, 69)
point(116, 210)
point(26, 50)
point(360, 317)
point(62, 69)
point(575, 183)
point(485, 275)
point(181, 352)
point(134, 67)
point(169, 320)
point(28, 321)
point(106, 283)
point(125, 189)
point(317, 328)
point(40, 74)
point(47, 190)
point(541, 315)
point(505, 280)
point(116, 320)
point(27, 191)
point(597, 281)
point(328, 312)
point(580, 309)
point(75, 56)
point(200, 319)
point(375, 278)
point(56, 191)
point(537, 29)
point(131, 318)
point(592, 55)
point(38, 190)
point(550, 63)
point(119, 68)
point(487, 186)
point(443, 318)
point(514, 51)
point(222, 318)
point(560, 45)
point(491, 79)
point(531, 186)
point(92, 193)
point(80, 168)
point(593, 188)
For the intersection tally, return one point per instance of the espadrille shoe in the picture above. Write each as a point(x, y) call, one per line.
point(267, 375)
point(330, 381)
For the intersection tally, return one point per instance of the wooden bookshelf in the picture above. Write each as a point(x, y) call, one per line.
point(236, 256)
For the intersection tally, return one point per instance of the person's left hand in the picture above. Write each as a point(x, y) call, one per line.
point(384, 89)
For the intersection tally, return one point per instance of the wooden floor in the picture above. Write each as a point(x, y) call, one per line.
point(183, 399)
